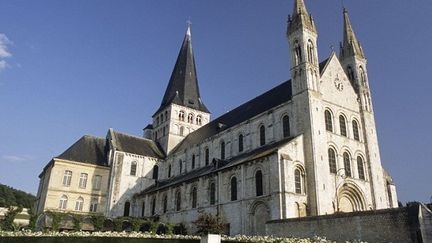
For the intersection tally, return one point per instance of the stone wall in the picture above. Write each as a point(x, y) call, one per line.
point(388, 225)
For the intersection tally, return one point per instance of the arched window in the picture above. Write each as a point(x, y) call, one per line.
point(165, 203)
point(163, 131)
point(222, 150)
point(180, 166)
point(67, 177)
point(166, 115)
point(133, 168)
point(328, 121)
point(233, 189)
point(212, 194)
point(157, 121)
point(207, 156)
point(169, 170)
point(79, 204)
point(298, 52)
point(360, 168)
point(240, 143)
point(342, 125)
point(181, 131)
point(194, 197)
point(178, 200)
point(298, 181)
point(193, 161)
point(199, 120)
point(162, 117)
point(190, 118)
point(181, 115)
point(143, 209)
point(347, 164)
point(286, 126)
point(332, 160)
point(262, 136)
point(155, 172)
point(126, 209)
point(153, 208)
point(258, 183)
point(310, 51)
point(362, 76)
point(350, 73)
point(355, 130)
point(63, 202)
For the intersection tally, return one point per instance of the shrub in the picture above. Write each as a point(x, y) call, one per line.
point(136, 224)
point(180, 229)
point(77, 222)
point(98, 222)
point(7, 223)
point(118, 223)
point(209, 224)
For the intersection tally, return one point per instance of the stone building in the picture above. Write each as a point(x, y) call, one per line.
point(306, 147)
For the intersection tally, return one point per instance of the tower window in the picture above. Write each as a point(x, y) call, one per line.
point(360, 168)
point(233, 189)
point(212, 194)
point(143, 209)
point(198, 120)
point(328, 121)
point(347, 164)
point(181, 115)
point(298, 52)
point(355, 130)
point(350, 73)
point(190, 118)
point(286, 126)
point(258, 183)
point(342, 125)
point(311, 55)
point(169, 170)
point(240, 143)
point(362, 76)
point(262, 137)
point(133, 168)
point(222, 150)
point(332, 160)
point(180, 166)
point(207, 156)
point(194, 197)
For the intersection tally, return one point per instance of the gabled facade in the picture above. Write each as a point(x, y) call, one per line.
point(306, 147)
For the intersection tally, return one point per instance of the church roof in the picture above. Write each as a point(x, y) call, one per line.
point(87, 149)
point(135, 145)
point(183, 88)
point(266, 101)
point(350, 44)
point(219, 165)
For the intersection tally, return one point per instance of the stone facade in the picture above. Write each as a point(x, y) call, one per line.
point(307, 147)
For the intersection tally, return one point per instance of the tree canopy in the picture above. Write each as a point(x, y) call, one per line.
point(13, 197)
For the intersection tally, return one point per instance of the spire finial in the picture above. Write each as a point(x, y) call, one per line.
point(189, 24)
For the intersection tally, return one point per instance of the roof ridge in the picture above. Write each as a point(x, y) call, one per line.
point(133, 136)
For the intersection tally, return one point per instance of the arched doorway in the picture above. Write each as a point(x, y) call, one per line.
point(260, 214)
point(350, 199)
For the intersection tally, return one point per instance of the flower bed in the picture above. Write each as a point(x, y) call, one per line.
point(133, 237)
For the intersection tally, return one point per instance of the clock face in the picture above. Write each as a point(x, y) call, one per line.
point(338, 84)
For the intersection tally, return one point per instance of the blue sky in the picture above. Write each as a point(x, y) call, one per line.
point(69, 68)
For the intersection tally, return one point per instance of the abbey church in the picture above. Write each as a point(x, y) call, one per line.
point(306, 147)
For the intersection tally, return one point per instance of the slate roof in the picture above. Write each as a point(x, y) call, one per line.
point(135, 145)
point(88, 149)
point(218, 165)
point(183, 88)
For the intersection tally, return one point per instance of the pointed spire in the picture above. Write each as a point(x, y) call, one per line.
point(300, 18)
point(183, 88)
point(350, 46)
